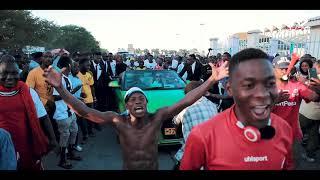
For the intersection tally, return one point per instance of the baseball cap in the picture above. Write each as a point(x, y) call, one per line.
point(280, 62)
point(132, 91)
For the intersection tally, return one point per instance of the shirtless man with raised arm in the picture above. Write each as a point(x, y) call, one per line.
point(139, 131)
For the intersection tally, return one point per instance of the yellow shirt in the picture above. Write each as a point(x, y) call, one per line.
point(87, 81)
point(36, 81)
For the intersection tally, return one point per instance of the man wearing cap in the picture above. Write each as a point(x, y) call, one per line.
point(291, 95)
point(138, 130)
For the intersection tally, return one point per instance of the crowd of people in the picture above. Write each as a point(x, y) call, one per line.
point(238, 112)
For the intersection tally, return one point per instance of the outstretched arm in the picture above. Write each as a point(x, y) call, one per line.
point(194, 95)
point(54, 78)
point(219, 96)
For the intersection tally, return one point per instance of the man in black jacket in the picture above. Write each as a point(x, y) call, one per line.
point(110, 94)
point(120, 66)
point(100, 83)
point(194, 69)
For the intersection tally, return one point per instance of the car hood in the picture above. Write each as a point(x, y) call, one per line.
point(160, 98)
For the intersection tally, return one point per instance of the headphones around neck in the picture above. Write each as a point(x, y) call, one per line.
point(254, 134)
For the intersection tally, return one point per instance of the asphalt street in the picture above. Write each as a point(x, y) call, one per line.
point(103, 153)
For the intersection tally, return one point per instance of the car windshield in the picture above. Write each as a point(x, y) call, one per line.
point(163, 79)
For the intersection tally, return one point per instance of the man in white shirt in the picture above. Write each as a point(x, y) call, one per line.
point(179, 69)
point(174, 63)
point(193, 68)
point(66, 119)
point(112, 62)
point(96, 69)
point(150, 63)
point(111, 92)
point(101, 80)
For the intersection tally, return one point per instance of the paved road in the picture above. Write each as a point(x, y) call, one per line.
point(103, 153)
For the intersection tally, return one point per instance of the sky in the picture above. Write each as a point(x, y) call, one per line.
point(169, 29)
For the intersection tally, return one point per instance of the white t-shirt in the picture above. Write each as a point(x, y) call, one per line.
point(310, 110)
point(136, 64)
point(61, 112)
point(41, 111)
point(174, 64)
point(113, 67)
point(180, 67)
point(149, 65)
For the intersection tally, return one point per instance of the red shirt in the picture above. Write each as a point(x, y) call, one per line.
point(16, 124)
point(289, 110)
point(219, 144)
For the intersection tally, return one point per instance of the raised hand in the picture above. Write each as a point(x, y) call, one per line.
point(220, 72)
point(283, 96)
point(53, 77)
point(315, 84)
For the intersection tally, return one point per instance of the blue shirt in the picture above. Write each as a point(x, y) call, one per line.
point(75, 81)
point(33, 64)
point(8, 159)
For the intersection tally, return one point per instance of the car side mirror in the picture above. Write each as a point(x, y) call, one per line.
point(114, 84)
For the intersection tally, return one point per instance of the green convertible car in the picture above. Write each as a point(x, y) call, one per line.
point(162, 88)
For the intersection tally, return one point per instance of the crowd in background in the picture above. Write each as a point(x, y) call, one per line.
point(87, 75)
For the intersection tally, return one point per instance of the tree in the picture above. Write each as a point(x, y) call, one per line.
point(74, 38)
point(19, 28)
point(138, 51)
point(183, 52)
point(47, 33)
point(193, 51)
point(164, 51)
point(104, 50)
point(171, 52)
point(156, 51)
point(146, 51)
